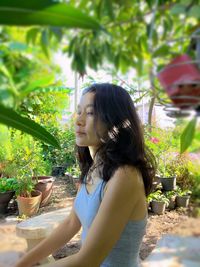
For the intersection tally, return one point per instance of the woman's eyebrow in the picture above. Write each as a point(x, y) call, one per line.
point(89, 105)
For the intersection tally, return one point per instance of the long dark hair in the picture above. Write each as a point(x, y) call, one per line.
point(124, 142)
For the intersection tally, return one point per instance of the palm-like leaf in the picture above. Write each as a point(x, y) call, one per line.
point(10, 118)
point(45, 12)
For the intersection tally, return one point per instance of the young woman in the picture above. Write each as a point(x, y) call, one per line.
point(116, 176)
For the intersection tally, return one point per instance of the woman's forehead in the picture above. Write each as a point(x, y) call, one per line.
point(87, 100)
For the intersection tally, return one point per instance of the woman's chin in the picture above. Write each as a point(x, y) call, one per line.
point(81, 144)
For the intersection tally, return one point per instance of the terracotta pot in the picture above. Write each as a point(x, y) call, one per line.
point(158, 207)
point(182, 201)
point(181, 80)
point(168, 183)
point(4, 200)
point(29, 205)
point(45, 185)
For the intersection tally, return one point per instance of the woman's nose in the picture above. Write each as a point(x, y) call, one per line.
point(80, 119)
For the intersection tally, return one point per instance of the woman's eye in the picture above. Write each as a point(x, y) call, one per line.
point(90, 113)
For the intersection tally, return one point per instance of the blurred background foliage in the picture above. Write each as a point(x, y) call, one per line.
point(114, 35)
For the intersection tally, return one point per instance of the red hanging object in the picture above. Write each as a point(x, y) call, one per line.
point(181, 80)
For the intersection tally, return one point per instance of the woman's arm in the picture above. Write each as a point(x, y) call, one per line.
point(60, 236)
point(122, 194)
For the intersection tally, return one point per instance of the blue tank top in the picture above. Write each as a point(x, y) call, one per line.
point(125, 252)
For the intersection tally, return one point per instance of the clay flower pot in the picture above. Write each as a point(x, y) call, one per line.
point(29, 205)
point(45, 185)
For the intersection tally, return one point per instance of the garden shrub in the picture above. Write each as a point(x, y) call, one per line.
point(20, 152)
point(66, 155)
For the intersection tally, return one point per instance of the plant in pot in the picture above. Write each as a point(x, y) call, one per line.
point(159, 202)
point(162, 143)
point(28, 199)
point(171, 196)
point(183, 197)
point(167, 177)
point(7, 191)
point(177, 165)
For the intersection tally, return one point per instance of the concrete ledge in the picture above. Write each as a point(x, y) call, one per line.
point(35, 229)
point(41, 226)
point(175, 251)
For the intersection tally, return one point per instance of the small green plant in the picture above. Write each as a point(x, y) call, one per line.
point(19, 151)
point(181, 192)
point(25, 186)
point(8, 184)
point(170, 194)
point(158, 196)
point(74, 170)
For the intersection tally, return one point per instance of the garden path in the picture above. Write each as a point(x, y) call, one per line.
point(173, 222)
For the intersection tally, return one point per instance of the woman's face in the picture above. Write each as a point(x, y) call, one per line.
point(86, 134)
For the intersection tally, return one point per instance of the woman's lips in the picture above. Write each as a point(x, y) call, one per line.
point(80, 133)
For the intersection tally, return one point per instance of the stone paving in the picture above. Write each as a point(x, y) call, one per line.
point(11, 246)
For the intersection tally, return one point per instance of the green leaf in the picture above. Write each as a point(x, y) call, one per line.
point(195, 11)
point(178, 9)
point(161, 51)
point(12, 119)
point(5, 71)
point(188, 135)
point(53, 88)
point(45, 12)
point(47, 80)
point(44, 41)
point(109, 8)
point(57, 33)
point(32, 35)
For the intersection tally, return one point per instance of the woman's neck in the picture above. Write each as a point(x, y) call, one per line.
point(93, 153)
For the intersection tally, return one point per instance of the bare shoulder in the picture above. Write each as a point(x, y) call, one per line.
point(128, 175)
point(128, 178)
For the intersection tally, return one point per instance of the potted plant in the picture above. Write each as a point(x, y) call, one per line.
point(171, 196)
point(162, 143)
point(167, 176)
point(158, 202)
point(7, 191)
point(166, 173)
point(28, 199)
point(183, 197)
